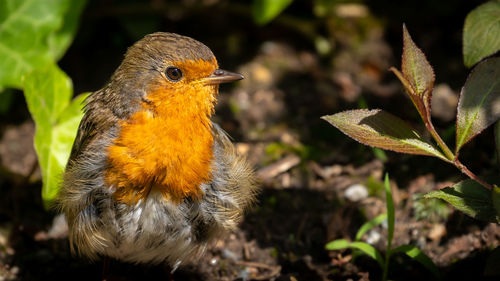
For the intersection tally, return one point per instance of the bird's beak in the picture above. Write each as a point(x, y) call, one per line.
point(222, 76)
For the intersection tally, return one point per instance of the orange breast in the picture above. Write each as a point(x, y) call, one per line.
point(167, 146)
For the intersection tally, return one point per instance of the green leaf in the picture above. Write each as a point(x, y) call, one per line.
point(363, 247)
point(419, 256)
point(369, 225)
point(479, 103)
point(33, 34)
point(266, 10)
point(390, 212)
point(61, 39)
point(469, 197)
point(380, 129)
point(48, 95)
point(481, 29)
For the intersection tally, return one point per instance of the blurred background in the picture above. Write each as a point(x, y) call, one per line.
point(314, 58)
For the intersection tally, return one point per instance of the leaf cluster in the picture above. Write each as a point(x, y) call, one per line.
point(478, 108)
point(34, 35)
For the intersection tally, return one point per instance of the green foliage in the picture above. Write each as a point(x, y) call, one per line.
point(264, 11)
point(430, 209)
point(365, 248)
point(481, 29)
point(34, 34)
point(370, 251)
point(48, 94)
point(419, 256)
point(478, 106)
point(417, 75)
point(369, 225)
point(469, 197)
point(381, 129)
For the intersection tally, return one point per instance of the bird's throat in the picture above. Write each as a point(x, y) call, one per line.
point(168, 148)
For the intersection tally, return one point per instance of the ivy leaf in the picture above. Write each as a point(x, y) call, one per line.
point(33, 34)
point(469, 197)
point(417, 75)
point(48, 94)
point(380, 129)
point(481, 30)
point(479, 104)
point(266, 10)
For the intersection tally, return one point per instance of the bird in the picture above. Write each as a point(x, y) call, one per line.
point(151, 179)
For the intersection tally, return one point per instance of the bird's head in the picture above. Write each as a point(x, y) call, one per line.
point(170, 70)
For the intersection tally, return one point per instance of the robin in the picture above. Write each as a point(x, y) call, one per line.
point(151, 179)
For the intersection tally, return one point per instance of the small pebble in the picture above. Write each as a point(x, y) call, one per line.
point(356, 192)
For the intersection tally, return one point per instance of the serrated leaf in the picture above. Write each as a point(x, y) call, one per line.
point(48, 96)
point(33, 34)
point(369, 225)
point(363, 247)
point(481, 33)
point(266, 10)
point(380, 129)
point(415, 67)
point(419, 256)
point(469, 197)
point(479, 103)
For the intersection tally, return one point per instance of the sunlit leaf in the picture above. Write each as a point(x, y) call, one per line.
point(419, 256)
point(481, 33)
point(479, 104)
point(33, 34)
point(369, 225)
point(469, 197)
point(383, 130)
point(266, 10)
point(363, 247)
point(48, 94)
point(415, 67)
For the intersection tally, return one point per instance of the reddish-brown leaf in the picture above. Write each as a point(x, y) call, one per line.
point(380, 129)
point(415, 67)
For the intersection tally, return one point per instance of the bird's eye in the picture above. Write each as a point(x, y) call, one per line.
point(173, 73)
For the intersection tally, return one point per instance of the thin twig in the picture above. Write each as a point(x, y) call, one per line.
point(470, 174)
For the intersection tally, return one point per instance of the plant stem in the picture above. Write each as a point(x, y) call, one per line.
point(470, 174)
point(447, 152)
point(452, 157)
point(386, 264)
